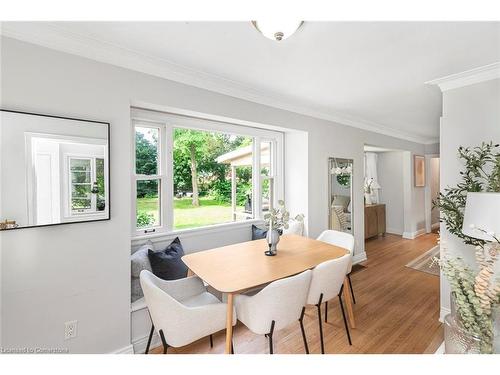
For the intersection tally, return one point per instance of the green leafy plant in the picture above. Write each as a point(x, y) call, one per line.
point(482, 173)
point(144, 220)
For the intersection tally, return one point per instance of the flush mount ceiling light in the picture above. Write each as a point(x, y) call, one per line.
point(277, 30)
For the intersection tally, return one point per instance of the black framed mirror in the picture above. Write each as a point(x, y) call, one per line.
point(54, 170)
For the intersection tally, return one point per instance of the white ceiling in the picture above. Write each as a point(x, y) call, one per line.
point(372, 73)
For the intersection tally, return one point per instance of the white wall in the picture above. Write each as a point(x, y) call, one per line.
point(434, 185)
point(471, 115)
point(390, 178)
point(82, 271)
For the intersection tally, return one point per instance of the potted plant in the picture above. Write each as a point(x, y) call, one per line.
point(277, 219)
point(475, 292)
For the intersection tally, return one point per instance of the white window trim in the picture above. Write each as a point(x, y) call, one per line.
point(66, 194)
point(166, 122)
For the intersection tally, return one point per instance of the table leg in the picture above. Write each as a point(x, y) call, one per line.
point(229, 323)
point(348, 302)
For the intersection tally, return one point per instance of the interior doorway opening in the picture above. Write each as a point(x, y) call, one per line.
point(432, 193)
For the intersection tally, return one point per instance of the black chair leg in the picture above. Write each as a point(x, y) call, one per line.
point(303, 331)
point(270, 337)
point(150, 338)
point(165, 345)
point(320, 324)
point(345, 320)
point(326, 312)
point(211, 341)
point(350, 287)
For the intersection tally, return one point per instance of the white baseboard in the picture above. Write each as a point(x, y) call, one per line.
point(413, 235)
point(139, 346)
point(129, 349)
point(393, 231)
point(358, 258)
point(443, 312)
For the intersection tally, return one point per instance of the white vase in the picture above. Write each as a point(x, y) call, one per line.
point(272, 237)
point(368, 198)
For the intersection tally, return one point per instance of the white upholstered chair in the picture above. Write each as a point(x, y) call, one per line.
point(275, 307)
point(182, 311)
point(326, 284)
point(345, 240)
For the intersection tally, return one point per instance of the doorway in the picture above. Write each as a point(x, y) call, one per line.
point(432, 193)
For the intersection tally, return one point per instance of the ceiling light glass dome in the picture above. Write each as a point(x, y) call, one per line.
point(277, 30)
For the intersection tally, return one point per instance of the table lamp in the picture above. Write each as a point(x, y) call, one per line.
point(482, 216)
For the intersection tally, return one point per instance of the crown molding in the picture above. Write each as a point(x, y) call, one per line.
point(469, 77)
point(52, 36)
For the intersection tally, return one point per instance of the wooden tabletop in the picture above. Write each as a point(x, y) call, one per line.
point(242, 266)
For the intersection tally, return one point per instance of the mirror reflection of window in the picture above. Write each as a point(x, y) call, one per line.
point(54, 170)
point(68, 179)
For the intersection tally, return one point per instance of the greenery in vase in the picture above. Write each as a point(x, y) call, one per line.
point(279, 218)
point(476, 293)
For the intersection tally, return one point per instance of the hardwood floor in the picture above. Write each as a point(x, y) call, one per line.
point(396, 310)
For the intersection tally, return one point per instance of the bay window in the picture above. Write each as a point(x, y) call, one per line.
point(194, 173)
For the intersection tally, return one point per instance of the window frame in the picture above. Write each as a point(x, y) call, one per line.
point(166, 123)
point(93, 199)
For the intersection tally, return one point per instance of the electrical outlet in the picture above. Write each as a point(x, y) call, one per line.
point(70, 329)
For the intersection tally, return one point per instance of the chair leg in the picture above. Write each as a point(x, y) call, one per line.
point(320, 324)
point(350, 287)
point(165, 345)
point(326, 312)
point(306, 347)
point(345, 320)
point(270, 337)
point(211, 341)
point(150, 338)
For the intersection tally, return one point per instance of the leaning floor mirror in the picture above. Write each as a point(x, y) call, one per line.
point(53, 170)
point(340, 210)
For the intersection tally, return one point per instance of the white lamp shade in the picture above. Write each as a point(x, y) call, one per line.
point(482, 211)
point(277, 29)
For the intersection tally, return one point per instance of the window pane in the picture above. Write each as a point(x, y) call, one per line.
point(81, 190)
point(79, 204)
point(265, 158)
point(267, 191)
point(80, 176)
point(146, 150)
point(99, 173)
point(203, 178)
point(244, 206)
point(80, 165)
point(148, 203)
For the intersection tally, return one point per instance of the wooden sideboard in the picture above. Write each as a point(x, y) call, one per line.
point(374, 220)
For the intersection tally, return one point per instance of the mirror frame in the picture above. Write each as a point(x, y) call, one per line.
point(331, 160)
point(108, 131)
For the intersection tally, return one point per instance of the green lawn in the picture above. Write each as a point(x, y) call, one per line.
point(209, 212)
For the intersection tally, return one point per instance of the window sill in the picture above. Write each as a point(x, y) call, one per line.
point(196, 231)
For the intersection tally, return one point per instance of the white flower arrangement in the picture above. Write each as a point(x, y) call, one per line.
point(279, 218)
point(341, 170)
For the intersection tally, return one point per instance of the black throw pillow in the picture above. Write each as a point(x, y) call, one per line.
point(258, 233)
point(167, 264)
